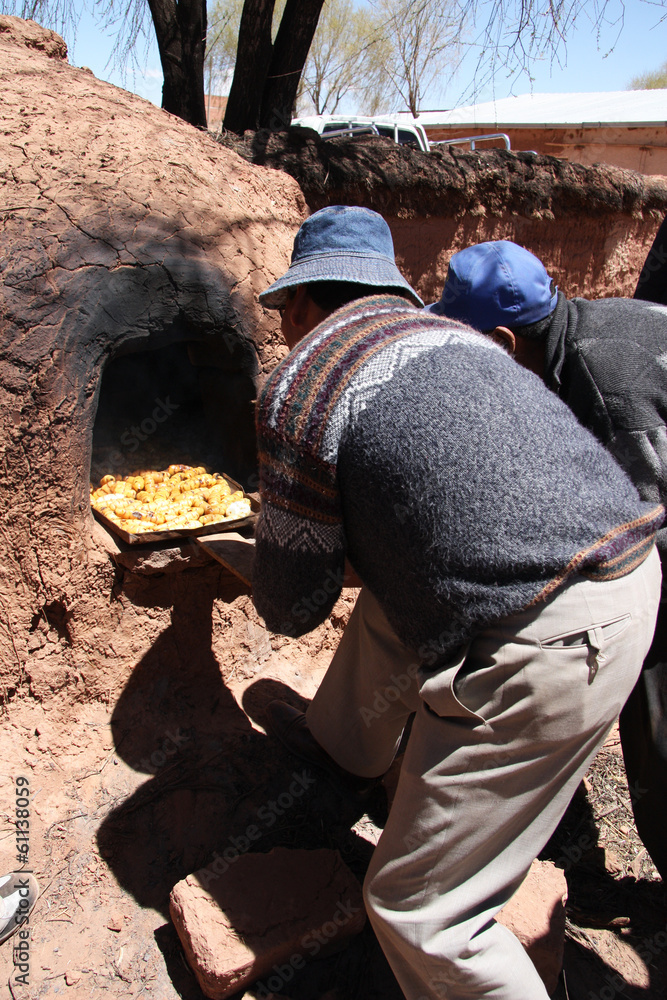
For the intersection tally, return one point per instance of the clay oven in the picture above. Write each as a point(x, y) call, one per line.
point(133, 252)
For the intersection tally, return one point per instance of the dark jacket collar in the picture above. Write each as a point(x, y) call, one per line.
point(563, 318)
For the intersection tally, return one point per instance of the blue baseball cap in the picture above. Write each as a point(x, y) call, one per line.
point(496, 284)
point(341, 243)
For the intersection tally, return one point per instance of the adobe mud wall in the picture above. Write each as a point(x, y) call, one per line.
point(632, 147)
point(592, 225)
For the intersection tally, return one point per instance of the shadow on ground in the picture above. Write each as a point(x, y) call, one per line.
point(211, 775)
point(616, 936)
point(200, 804)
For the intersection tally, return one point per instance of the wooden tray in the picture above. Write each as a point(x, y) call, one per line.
point(151, 537)
point(235, 552)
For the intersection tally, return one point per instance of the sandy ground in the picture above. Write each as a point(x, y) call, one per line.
point(109, 840)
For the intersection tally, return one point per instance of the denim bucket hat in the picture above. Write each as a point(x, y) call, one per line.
point(341, 243)
point(496, 284)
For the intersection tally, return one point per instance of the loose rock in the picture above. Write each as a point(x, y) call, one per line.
point(536, 915)
point(264, 916)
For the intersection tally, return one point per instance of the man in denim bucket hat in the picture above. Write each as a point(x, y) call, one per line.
point(341, 243)
point(500, 548)
point(606, 360)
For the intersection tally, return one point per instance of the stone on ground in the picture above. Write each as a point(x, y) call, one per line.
point(536, 915)
point(263, 916)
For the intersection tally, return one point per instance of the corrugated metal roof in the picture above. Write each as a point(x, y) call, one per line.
point(617, 107)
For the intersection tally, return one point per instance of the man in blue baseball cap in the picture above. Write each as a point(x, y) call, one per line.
point(498, 544)
point(607, 359)
point(496, 281)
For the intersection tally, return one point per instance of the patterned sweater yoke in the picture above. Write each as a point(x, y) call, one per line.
point(302, 411)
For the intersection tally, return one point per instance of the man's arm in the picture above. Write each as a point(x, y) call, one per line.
point(299, 569)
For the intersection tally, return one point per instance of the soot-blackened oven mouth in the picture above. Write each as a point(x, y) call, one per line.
point(174, 440)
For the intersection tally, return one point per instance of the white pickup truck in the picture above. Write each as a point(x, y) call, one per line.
point(404, 133)
point(330, 126)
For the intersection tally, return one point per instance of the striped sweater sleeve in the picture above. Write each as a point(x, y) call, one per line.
point(302, 414)
point(300, 544)
point(298, 571)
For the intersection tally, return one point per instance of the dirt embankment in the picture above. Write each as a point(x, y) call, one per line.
point(592, 225)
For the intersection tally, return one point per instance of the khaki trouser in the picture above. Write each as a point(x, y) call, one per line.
point(501, 739)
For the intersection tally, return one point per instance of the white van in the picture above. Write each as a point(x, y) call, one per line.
point(330, 126)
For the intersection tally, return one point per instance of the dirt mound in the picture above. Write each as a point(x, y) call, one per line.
point(124, 229)
point(32, 36)
point(450, 181)
point(592, 226)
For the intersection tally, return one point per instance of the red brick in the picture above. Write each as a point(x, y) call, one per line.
point(263, 916)
point(536, 915)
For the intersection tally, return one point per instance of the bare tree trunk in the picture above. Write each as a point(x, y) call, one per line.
point(253, 56)
point(180, 27)
point(293, 41)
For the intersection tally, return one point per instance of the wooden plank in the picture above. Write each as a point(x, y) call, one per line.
point(235, 552)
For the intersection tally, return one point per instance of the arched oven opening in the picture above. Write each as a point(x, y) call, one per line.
point(181, 401)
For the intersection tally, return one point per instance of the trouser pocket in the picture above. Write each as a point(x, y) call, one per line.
point(438, 690)
point(594, 638)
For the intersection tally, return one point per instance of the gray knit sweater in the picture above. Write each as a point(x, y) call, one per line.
point(460, 488)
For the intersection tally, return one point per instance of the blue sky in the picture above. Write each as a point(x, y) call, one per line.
point(588, 62)
point(589, 65)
